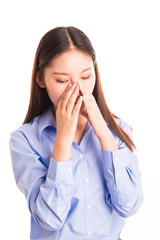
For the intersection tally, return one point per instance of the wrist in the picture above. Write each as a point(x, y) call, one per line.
point(107, 140)
point(62, 150)
point(101, 130)
point(63, 140)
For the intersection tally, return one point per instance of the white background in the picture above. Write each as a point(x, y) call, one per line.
point(126, 37)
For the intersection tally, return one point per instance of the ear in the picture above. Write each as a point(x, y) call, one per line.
point(40, 80)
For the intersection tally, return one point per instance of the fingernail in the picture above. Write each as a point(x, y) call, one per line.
point(69, 85)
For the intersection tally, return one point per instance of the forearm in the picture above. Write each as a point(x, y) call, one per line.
point(123, 180)
point(106, 139)
point(62, 150)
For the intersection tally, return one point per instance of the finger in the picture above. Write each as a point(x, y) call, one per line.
point(64, 93)
point(72, 100)
point(84, 93)
point(67, 95)
point(78, 105)
point(82, 110)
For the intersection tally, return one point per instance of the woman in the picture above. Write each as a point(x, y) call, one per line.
point(72, 157)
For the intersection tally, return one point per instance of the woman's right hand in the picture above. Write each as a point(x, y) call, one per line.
point(66, 118)
point(67, 112)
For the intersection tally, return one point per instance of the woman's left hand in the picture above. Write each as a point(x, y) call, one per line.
point(91, 111)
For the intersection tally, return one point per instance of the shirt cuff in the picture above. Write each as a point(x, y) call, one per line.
point(114, 158)
point(60, 171)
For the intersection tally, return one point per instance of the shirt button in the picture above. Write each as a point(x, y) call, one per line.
point(86, 180)
point(88, 206)
point(89, 232)
point(81, 155)
point(117, 158)
point(68, 169)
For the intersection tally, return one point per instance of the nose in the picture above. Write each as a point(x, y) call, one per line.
point(73, 81)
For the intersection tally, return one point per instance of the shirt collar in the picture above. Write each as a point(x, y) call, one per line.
point(46, 120)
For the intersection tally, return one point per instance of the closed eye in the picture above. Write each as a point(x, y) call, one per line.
point(86, 77)
point(60, 81)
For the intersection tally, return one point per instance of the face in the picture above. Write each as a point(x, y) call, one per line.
point(69, 67)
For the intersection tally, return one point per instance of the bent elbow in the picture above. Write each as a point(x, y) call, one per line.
point(130, 207)
point(54, 224)
point(49, 216)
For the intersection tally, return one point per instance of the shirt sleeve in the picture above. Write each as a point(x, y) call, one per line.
point(123, 179)
point(47, 190)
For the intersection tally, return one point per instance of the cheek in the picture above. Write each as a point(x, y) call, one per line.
point(89, 84)
point(93, 84)
point(55, 93)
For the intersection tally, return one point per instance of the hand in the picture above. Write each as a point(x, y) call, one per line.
point(67, 113)
point(91, 111)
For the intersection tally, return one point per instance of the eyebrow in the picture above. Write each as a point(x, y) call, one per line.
point(62, 73)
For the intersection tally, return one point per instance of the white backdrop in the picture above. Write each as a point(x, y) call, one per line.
point(126, 37)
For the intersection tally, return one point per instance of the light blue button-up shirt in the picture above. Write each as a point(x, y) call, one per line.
point(86, 198)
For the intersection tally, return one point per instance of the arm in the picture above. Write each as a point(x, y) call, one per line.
point(92, 113)
point(48, 190)
point(123, 182)
point(123, 179)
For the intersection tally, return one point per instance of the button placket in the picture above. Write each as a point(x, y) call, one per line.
point(87, 195)
point(89, 233)
point(88, 206)
point(86, 180)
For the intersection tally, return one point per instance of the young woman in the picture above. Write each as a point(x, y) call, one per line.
point(72, 158)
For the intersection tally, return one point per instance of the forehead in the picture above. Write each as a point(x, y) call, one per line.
point(72, 60)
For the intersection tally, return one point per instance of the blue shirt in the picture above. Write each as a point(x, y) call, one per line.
point(86, 198)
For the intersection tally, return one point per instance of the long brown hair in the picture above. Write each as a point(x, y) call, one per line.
point(52, 44)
